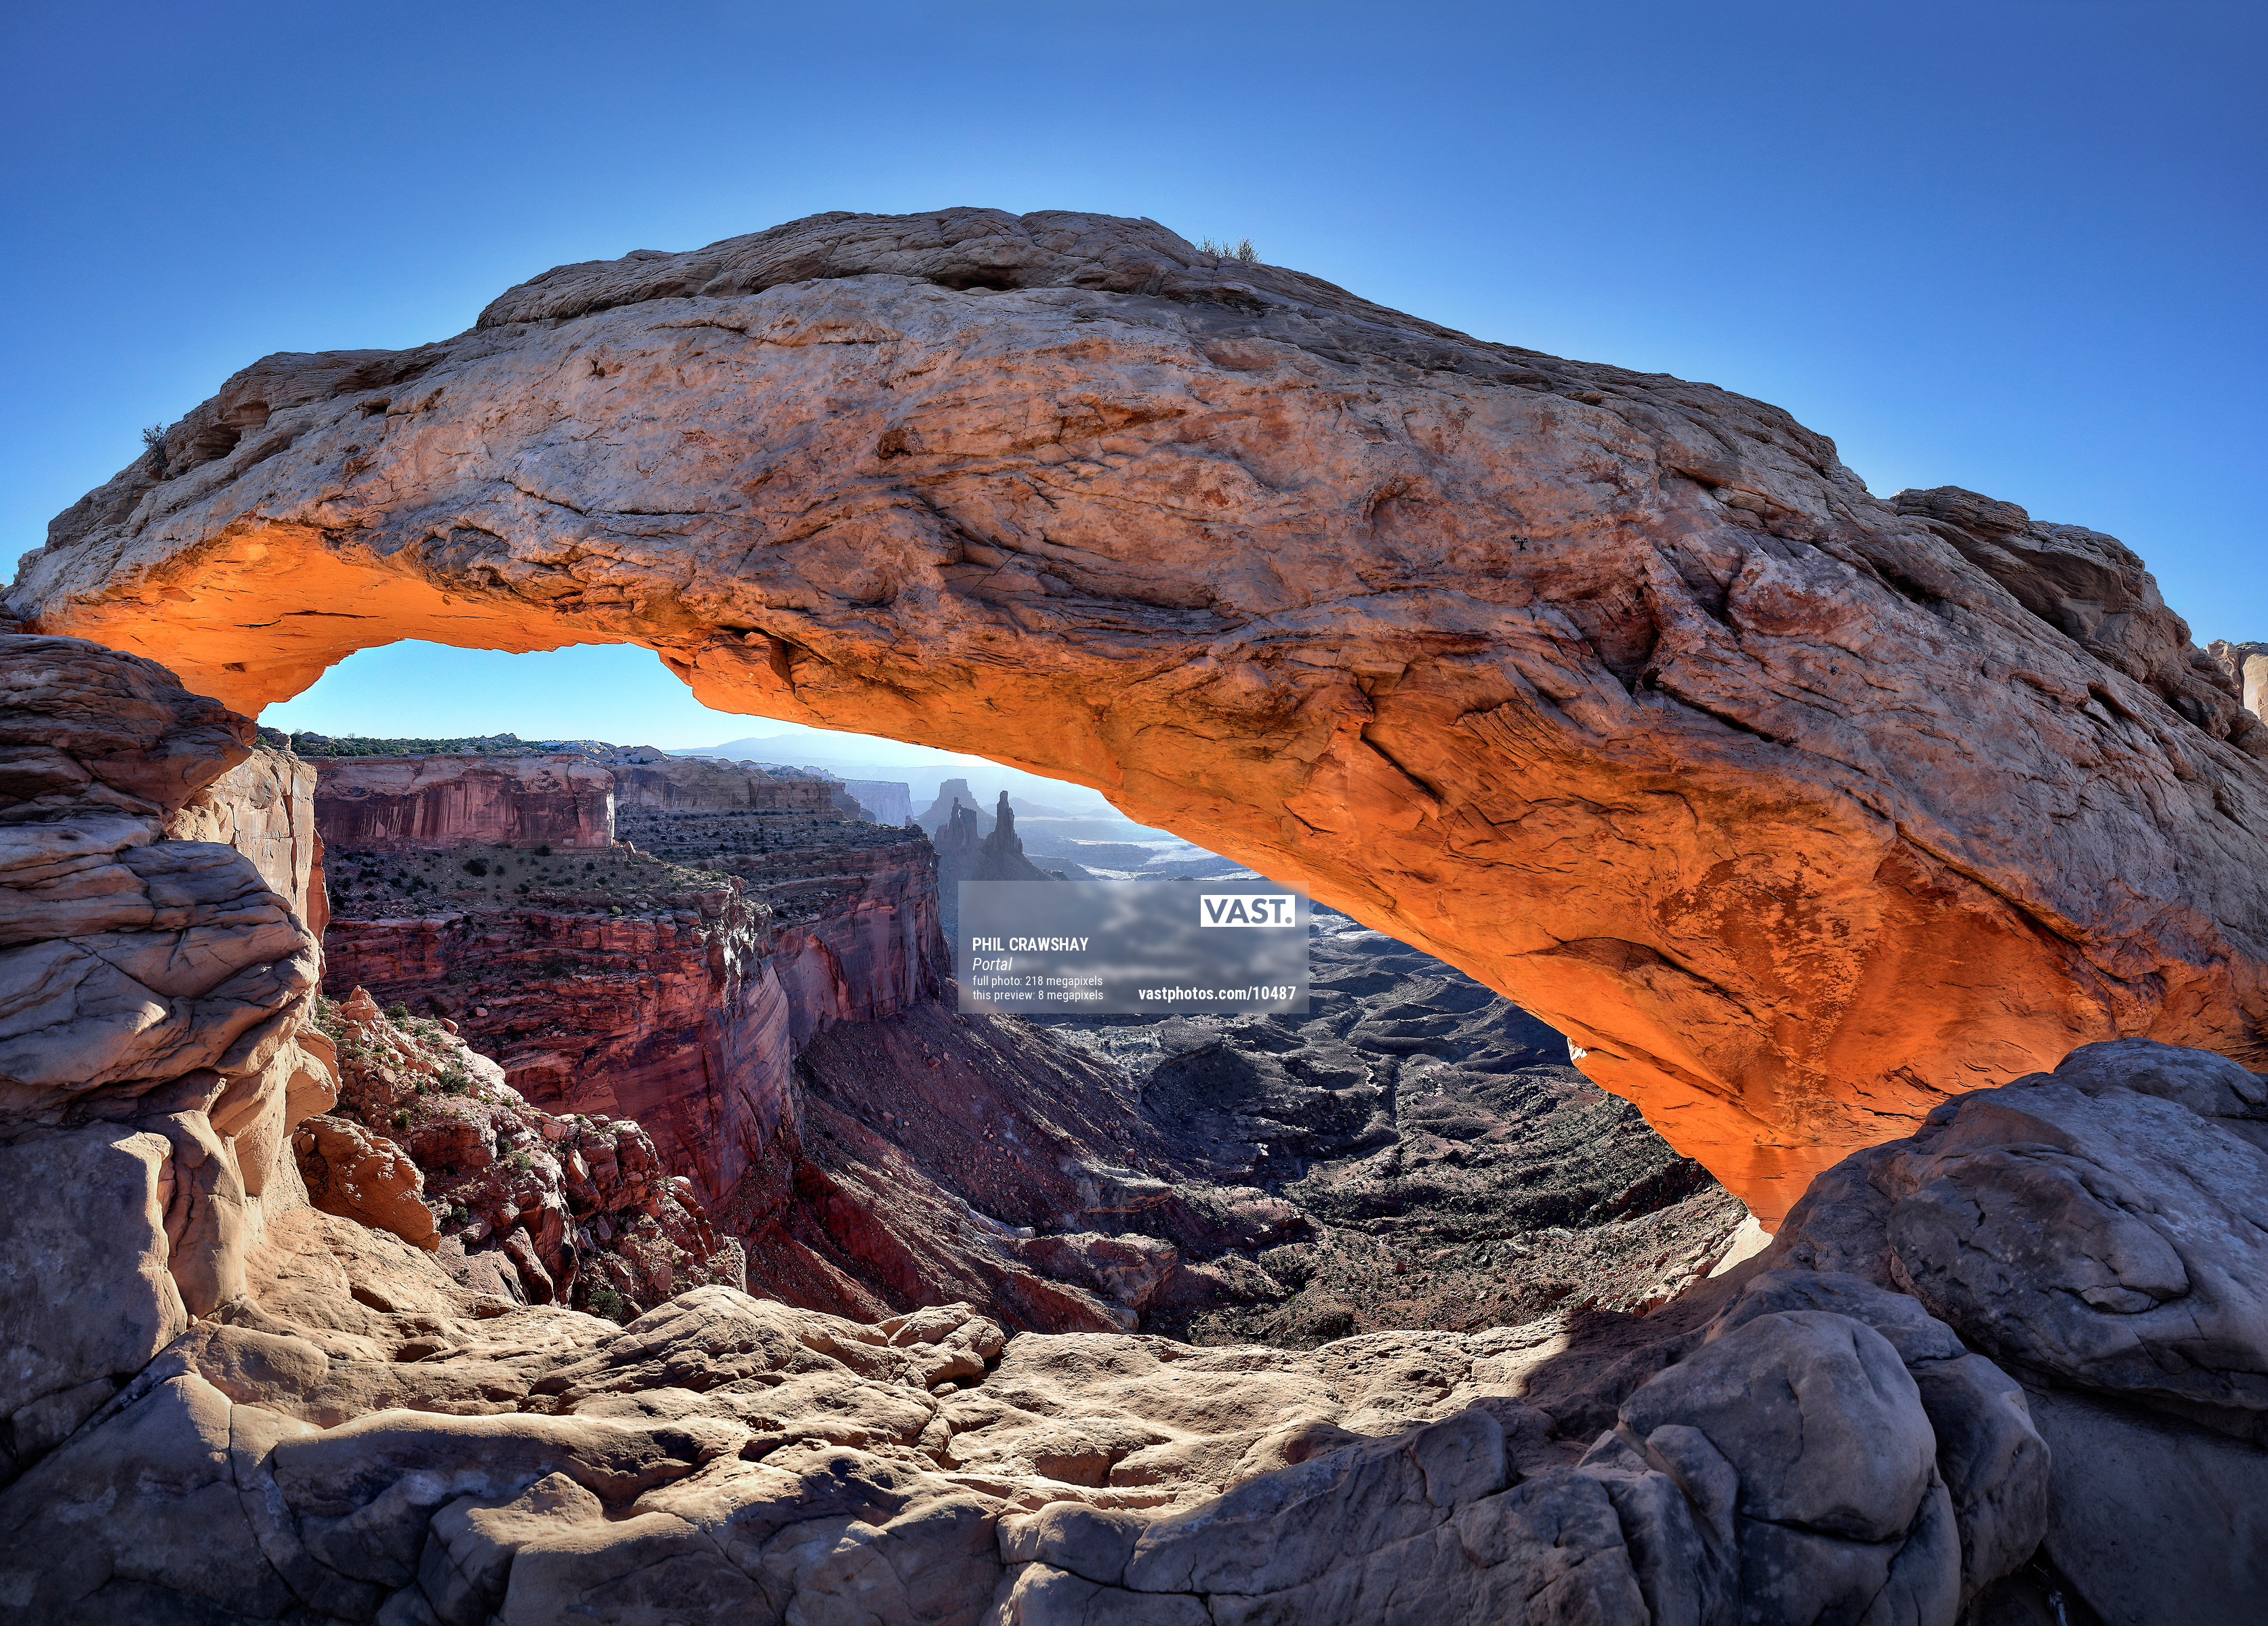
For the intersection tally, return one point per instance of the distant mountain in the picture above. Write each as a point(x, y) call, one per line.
point(921, 768)
point(858, 749)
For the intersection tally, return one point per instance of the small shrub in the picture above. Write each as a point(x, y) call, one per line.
point(603, 1300)
point(153, 444)
point(460, 1215)
point(476, 866)
point(402, 1120)
point(398, 1011)
point(521, 1162)
point(544, 851)
point(455, 1081)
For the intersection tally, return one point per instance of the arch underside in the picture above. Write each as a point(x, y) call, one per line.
point(1618, 691)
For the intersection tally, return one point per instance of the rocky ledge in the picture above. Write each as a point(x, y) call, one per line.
point(1893, 1414)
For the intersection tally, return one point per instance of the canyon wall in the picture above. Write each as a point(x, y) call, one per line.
point(1799, 809)
point(673, 1017)
point(390, 803)
point(669, 981)
point(693, 783)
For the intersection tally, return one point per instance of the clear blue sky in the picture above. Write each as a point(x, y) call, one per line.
point(2011, 245)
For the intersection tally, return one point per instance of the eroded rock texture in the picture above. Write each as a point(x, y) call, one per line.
point(357, 1438)
point(1798, 809)
point(152, 984)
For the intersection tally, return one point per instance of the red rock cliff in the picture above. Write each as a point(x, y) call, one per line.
point(390, 804)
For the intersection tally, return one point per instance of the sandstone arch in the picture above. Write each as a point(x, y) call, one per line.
point(1798, 809)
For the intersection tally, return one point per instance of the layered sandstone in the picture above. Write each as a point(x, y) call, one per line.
point(402, 804)
point(265, 808)
point(1799, 809)
point(637, 989)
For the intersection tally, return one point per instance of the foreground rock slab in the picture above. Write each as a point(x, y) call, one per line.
point(1620, 693)
point(357, 1437)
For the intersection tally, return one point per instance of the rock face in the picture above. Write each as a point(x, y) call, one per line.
point(1799, 809)
point(265, 808)
point(644, 999)
point(2247, 664)
point(153, 985)
point(406, 803)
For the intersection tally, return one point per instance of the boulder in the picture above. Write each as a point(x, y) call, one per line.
point(2098, 1236)
point(2097, 1231)
point(1839, 1506)
point(361, 1176)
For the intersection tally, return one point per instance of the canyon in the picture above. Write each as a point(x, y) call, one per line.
point(763, 992)
point(1875, 849)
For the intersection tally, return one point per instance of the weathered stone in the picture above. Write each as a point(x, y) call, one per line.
point(2247, 665)
point(2151, 1520)
point(1287, 1528)
point(2109, 1238)
point(88, 729)
point(363, 1177)
point(187, 961)
point(84, 1291)
point(265, 808)
point(1806, 809)
point(138, 1520)
point(1552, 1550)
